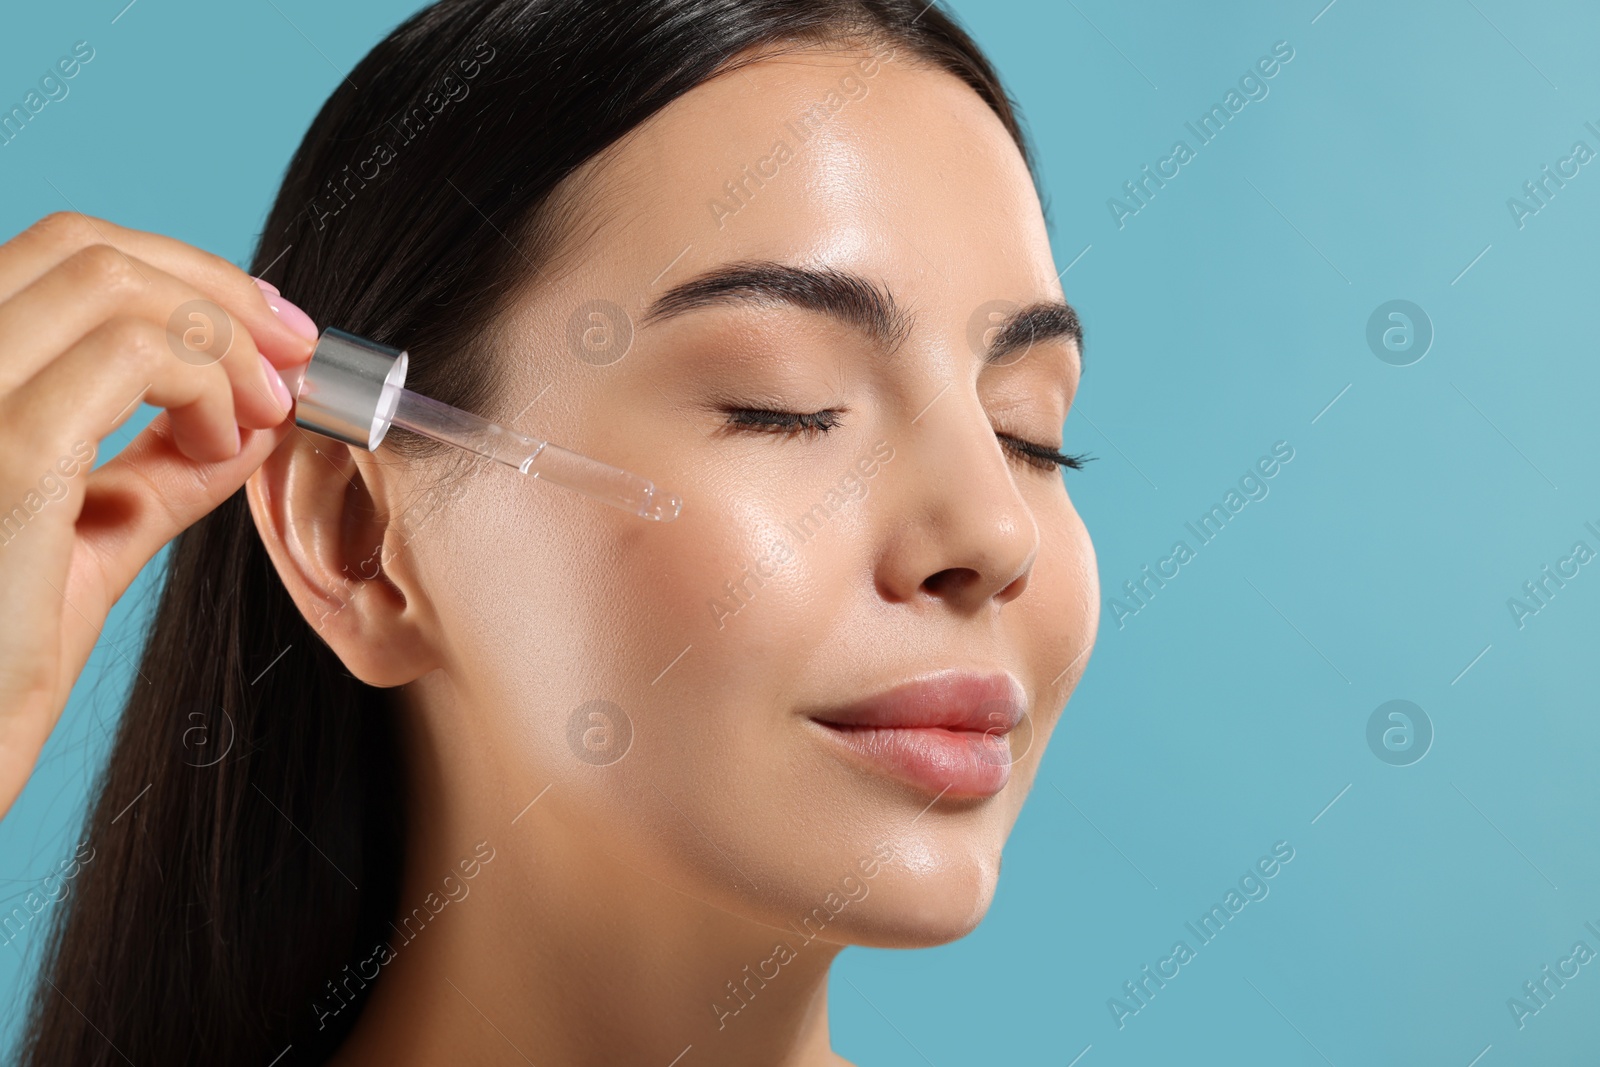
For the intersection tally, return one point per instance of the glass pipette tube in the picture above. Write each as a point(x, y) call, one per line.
point(353, 390)
point(539, 459)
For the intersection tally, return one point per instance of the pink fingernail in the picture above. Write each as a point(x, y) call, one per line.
point(292, 317)
point(275, 380)
point(266, 286)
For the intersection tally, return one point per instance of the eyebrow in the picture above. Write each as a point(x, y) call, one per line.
point(852, 299)
point(1035, 324)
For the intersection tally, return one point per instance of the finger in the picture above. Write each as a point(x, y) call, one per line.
point(87, 392)
point(150, 492)
point(286, 336)
point(97, 283)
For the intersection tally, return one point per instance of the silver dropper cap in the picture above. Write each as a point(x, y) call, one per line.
point(350, 389)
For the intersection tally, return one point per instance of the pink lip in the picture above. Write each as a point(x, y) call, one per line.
point(944, 733)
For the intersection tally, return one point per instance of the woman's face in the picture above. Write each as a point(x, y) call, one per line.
point(671, 682)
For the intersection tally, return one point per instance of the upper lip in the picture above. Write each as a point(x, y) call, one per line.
point(986, 701)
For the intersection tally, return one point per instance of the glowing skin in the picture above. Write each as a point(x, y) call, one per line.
point(620, 905)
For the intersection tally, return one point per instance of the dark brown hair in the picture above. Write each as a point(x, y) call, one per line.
point(223, 908)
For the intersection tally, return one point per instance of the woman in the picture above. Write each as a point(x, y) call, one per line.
point(428, 762)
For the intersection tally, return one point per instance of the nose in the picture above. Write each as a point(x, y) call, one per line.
point(964, 535)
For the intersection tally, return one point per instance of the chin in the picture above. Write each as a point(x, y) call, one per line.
point(920, 908)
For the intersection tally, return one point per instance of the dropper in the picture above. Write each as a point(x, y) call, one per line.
point(353, 390)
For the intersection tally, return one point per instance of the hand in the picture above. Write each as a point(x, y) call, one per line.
point(93, 319)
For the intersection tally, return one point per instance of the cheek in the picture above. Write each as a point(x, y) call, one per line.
point(1077, 586)
point(648, 673)
point(1083, 577)
point(688, 635)
point(1057, 623)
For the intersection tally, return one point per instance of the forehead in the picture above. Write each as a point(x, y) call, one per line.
point(867, 160)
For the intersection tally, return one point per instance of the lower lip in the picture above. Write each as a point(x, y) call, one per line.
point(964, 763)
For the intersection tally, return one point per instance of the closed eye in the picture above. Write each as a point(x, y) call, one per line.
point(1043, 456)
point(786, 423)
point(816, 423)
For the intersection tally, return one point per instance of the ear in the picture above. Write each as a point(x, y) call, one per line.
point(320, 508)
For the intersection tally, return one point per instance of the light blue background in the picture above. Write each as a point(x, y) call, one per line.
point(1224, 316)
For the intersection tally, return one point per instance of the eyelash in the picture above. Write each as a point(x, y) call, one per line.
point(810, 424)
point(788, 423)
